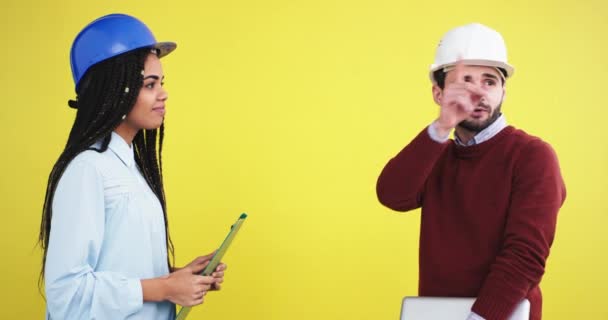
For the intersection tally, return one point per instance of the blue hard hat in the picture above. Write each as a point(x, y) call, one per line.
point(108, 37)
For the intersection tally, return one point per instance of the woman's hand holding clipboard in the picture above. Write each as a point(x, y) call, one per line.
point(215, 260)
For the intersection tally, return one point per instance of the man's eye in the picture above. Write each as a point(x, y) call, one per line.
point(490, 82)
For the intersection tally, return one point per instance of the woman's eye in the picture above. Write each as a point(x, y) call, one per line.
point(150, 85)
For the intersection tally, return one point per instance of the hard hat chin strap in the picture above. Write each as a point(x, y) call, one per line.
point(73, 103)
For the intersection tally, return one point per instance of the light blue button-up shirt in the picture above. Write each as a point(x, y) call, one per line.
point(107, 234)
point(484, 135)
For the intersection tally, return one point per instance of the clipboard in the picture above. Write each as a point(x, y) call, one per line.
point(215, 260)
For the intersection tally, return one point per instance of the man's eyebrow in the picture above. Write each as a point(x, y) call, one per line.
point(489, 75)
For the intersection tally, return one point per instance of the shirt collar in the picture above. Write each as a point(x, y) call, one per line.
point(485, 134)
point(122, 150)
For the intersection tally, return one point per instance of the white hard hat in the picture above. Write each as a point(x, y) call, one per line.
point(474, 44)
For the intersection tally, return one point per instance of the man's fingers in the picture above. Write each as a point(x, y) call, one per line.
point(464, 94)
point(459, 70)
point(464, 104)
point(475, 90)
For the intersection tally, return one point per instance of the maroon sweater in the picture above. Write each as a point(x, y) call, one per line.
point(488, 216)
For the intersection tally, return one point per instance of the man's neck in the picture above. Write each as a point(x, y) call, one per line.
point(464, 135)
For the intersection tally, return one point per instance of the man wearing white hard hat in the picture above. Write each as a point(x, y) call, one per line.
point(490, 196)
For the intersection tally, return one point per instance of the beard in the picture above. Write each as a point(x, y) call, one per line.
point(475, 126)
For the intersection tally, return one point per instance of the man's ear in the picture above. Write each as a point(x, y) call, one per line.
point(437, 94)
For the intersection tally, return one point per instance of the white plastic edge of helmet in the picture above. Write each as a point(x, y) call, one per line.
point(473, 44)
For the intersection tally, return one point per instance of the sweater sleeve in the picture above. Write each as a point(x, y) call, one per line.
point(537, 194)
point(401, 183)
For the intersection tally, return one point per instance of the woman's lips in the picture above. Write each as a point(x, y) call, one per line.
point(160, 110)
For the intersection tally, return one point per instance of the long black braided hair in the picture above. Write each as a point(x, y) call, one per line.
point(101, 103)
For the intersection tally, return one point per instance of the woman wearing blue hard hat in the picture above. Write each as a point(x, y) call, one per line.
point(104, 225)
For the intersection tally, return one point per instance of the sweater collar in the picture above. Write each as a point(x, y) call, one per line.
point(480, 149)
point(485, 134)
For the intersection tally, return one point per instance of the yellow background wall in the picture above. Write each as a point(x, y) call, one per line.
point(288, 110)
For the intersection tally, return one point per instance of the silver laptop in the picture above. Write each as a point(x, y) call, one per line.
point(437, 308)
